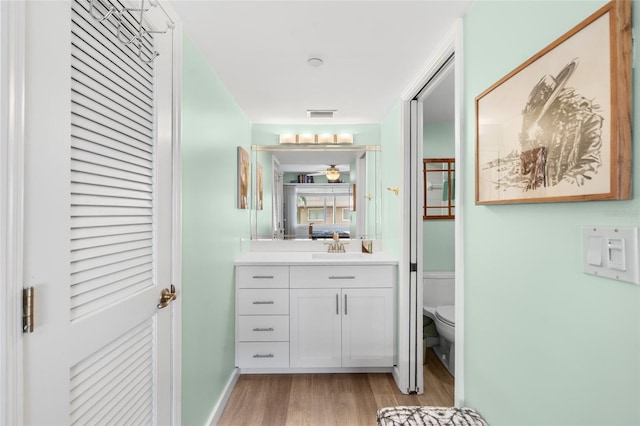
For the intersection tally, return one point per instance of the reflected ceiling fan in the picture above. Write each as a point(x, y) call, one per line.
point(332, 173)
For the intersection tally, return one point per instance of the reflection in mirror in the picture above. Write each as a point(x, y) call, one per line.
point(439, 184)
point(309, 192)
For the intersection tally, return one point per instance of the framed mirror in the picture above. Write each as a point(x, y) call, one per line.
point(309, 192)
point(439, 188)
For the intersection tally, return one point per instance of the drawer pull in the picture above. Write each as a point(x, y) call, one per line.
point(263, 356)
point(345, 304)
point(342, 277)
point(262, 277)
point(263, 302)
point(263, 329)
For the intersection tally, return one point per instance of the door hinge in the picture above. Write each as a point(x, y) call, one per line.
point(413, 267)
point(28, 299)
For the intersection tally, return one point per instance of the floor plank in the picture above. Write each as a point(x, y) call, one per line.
point(328, 399)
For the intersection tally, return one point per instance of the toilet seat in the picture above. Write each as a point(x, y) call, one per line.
point(447, 314)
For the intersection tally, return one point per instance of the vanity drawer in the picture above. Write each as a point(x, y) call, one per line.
point(263, 301)
point(342, 276)
point(263, 276)
point(260, 328)
point(263, 355)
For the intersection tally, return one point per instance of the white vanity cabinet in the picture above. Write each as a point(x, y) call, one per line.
point(262, 316)
point(342, 316)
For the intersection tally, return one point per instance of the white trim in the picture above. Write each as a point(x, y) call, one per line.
point(176, 232)
point(461, 167)
point(216, 414)
point(12, 77)
point(451, 43)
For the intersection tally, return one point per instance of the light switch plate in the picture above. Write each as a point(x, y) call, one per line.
point(611, 252)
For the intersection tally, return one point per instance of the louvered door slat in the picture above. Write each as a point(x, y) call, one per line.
point(97, 273)
point(98, 382)
point(97, 369)
point(106, 280)
point(106, 171)
point(137, 402)
point(106, 240)
point(108, 191)
point(116, 164)
point(83, 135)
point(110, 250)
point(95, 100)
point(112, 153)
point(110, 289)
point(99, 180)
point(93, 222)
point(117, 57)
point(106, 119)
point(95, 71)
point(104, 36)
point(116, 258)
point(80, 233)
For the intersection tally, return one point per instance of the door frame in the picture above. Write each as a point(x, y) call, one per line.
point(12, 77)
point(451, 43)
point(12, 125)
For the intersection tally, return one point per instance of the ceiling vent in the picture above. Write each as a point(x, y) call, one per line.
point(321, 113)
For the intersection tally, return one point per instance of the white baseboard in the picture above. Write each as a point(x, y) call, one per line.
point(222, 401)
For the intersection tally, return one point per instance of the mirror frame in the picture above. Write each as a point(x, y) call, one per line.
point(448, 168)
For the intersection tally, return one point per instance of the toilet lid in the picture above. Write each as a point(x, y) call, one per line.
point(447, 314)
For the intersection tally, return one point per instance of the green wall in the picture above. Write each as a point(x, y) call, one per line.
point(212, 127)
point(545, 344)
point(438, 235)
point(392, 175)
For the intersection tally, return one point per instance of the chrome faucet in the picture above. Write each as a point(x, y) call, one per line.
point(336, 246)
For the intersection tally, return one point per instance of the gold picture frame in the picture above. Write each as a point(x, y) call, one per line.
point(558, 127)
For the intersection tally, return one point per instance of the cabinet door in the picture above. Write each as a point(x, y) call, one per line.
point(367, 327)
point(315, 328)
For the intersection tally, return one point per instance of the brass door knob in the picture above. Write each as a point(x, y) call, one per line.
point(167, 296)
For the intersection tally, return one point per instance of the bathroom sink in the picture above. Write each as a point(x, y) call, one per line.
point(340, 256)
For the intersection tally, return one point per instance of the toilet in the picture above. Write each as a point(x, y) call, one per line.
point(438, 304)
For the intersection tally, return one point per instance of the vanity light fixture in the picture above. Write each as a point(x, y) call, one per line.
point(344, 138)
point(326, 138)
point(332, 173)
point(321, 139)
point(306, 138)
point(287, 138)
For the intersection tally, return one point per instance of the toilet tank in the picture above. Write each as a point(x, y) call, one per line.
point(438, 288)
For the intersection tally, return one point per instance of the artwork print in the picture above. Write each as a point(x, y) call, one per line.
point(546, 132)
point(243, 178)
point(260, 185)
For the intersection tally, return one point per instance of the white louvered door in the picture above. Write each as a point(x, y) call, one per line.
point(98, 218)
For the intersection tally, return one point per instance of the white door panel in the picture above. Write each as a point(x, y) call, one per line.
point(98, 217)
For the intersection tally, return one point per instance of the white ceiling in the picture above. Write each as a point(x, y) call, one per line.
point(373, 51)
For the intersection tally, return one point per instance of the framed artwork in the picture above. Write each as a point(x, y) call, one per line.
point(259, 179)
point(558, 127)
point(243, 178)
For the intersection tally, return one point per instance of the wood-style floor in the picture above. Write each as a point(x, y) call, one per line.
point(328, 399)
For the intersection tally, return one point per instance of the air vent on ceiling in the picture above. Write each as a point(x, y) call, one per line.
point(321, 113)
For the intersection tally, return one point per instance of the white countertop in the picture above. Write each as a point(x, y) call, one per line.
point(314, 258)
